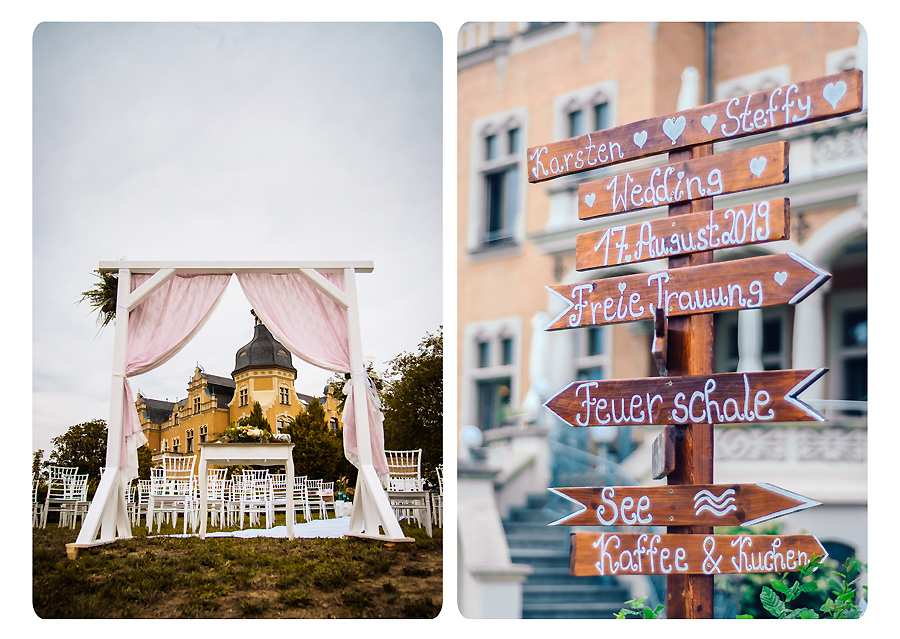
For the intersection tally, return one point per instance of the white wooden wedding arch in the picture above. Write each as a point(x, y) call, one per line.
point(107, 519)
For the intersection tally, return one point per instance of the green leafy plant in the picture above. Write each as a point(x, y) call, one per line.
point(102, 297)
point(638, 609)
point(778, 598)
point(778, 607)
point(844, 605)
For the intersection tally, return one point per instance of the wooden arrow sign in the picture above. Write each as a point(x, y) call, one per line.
point(770, 110)
point(709, 176)
point(765, 221)
point(752, 282)
point(679, 505)
point(662, 554)
point(722, 398)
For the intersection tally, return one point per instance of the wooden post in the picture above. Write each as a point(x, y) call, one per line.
point(690, 342)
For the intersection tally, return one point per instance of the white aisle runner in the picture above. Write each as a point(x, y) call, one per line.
point(316, 528)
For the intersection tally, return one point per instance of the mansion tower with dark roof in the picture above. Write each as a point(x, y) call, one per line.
point(263, 372)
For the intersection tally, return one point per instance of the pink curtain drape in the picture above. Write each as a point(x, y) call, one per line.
point(158, 328)
point(316, 329)
point(311, 325)
point(376, 428)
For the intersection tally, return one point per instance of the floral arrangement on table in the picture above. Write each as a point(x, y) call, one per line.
point(344, 489)
point(243, 433)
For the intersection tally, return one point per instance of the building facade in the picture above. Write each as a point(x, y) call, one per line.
point(525, 84)
point(263, 373)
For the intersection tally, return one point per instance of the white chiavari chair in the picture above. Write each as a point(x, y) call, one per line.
point(301, 497)
point(173, 491)
point(256, 497)
point(437, 499)
point(36, 506)
point(215, 495)
point(406, 488)
point(59, 492)
point(314, 496)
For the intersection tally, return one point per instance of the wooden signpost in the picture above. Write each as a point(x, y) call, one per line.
point(688, 398)
point(699, 505)
point(705, 177)
point(678, 554)
point(770, 110)
point(723, 398)
point(756, 223)
point(753, 282)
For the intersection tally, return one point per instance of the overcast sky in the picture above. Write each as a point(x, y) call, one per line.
point(229, 142)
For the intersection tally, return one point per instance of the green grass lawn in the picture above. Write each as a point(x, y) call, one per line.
point(154, 576)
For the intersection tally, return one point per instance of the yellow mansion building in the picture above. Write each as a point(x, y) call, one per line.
point(263, 372)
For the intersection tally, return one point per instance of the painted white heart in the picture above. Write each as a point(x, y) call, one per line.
point(589, 199)
point(534, 172)
point(781, 277)
point(674, 128)
point(622, 287)
point(708, 122)
point(758, 165)
point(640, 139)
point(834, 92)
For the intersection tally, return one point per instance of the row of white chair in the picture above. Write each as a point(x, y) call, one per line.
point(173, 490)
point(245, 495)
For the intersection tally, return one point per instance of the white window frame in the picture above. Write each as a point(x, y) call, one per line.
point(841, 60)
point(723, 362)
point(584, 361)
point(753, 83)
point(498, 124)
point(838, 303)
point(474, 35)
point(584, 100)
point(492, 332)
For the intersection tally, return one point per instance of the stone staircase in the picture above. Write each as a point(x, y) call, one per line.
point(550, 592)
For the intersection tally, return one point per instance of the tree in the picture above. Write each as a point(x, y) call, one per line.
point(145, 461)
point(256, 418)
point(82, 446)
point(318, 452)
point(413, 402)
point(37, 461)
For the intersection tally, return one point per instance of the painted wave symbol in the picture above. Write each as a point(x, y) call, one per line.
point(718, 505)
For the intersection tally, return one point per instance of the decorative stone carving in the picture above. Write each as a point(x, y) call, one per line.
point(843, 146)
point(749, 444)
point(833, 444)
point(791, 445)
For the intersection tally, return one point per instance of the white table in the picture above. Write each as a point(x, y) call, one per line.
point(232, 454)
